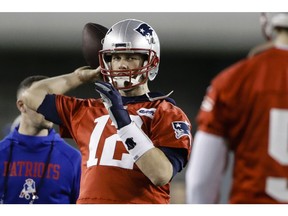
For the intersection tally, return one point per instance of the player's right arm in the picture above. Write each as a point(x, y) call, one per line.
point(35, 95)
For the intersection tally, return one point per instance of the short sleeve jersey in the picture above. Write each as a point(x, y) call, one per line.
point(247, 103)
point(109, 174)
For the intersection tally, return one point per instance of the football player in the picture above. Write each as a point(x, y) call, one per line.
point(133, 141)
point(245, 110)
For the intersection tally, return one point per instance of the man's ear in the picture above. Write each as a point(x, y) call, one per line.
point(20, 105)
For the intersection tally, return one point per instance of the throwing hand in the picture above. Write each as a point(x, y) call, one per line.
point(113, 103)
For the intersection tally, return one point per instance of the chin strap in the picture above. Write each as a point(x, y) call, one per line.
point(121, 81)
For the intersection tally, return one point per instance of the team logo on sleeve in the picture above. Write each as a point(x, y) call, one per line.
point(207, 104)
point(181, 128)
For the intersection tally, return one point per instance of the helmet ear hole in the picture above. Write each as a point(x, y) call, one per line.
point(155, 61)
point(152, 74)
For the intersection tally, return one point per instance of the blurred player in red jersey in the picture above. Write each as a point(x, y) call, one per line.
point(133, 141)
point(245, 110)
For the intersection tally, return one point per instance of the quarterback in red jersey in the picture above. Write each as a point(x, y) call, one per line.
point(245, 110)
point(133, 141)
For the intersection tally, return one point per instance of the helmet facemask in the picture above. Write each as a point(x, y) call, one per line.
point(127, 78)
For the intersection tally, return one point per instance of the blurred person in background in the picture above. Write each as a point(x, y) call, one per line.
point(245, 110)
point(37, 166)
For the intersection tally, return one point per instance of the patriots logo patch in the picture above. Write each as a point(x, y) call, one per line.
point(181, 128)
point(146, 31)
point(130, 143)
point(29, 190)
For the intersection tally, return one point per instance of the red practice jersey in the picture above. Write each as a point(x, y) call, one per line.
point(109, 174)
point(247, 103)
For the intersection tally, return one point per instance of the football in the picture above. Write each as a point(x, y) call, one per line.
point(92, 35)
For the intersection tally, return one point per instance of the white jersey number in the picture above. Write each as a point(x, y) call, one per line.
point(109, 146)
point(278, 149)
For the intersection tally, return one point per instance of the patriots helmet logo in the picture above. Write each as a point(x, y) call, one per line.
point(181, 128)
point(146, 31)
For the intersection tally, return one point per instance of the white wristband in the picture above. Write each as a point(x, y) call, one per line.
point(135, 140)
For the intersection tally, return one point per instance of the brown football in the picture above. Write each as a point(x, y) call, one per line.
point(92, 35)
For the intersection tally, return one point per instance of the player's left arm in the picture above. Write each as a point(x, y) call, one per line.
point(151, 160)
point(156, 166)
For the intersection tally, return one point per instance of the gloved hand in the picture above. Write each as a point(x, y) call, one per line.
point(113, 103)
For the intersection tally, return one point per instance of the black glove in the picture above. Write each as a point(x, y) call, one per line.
point(113, 103)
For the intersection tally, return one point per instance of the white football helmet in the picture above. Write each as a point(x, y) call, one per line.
point(130, 36)
point(269, 21)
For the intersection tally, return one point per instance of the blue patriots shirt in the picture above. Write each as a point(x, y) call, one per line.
point(44, 168)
